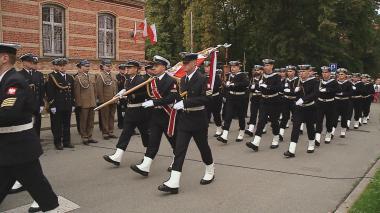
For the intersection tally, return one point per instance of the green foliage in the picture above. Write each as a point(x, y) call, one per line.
point(318, 32)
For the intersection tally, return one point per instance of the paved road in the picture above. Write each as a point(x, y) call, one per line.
point(245, 181)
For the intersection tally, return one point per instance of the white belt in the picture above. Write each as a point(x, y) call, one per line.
point(237, 93)
point(215, 94)
point(270, 96)
point(326, 100)
point(357, 96)
point(134, 105)
point(290, 97)
point(13, 129)
point(256, 93)
point(367, 96)
point(308, 104)
point(341, 98)
point(193, 109)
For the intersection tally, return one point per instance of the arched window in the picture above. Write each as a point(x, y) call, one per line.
point(53, 30)
point(106, 36)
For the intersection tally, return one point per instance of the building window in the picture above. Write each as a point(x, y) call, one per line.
point(53, 28)
point(106, 36)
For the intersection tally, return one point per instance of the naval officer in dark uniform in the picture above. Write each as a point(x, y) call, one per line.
point(192, 123)
point(20, 147)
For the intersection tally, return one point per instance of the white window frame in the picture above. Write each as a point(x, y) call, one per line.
point(53, 25)
point(104, 32)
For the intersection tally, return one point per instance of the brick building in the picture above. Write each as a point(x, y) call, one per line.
point(76, 29)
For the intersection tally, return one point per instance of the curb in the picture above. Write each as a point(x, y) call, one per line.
point(358, 189)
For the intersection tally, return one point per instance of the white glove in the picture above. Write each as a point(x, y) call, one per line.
point(261, 81)
point(253, 86)
point(123, 114)
point(299, 102)
point(322, 90)
point(287, 90)
point(178, 105)
point(263, 85)
point(341, 93)
point(53, 110)
point(72, 109)
point(228, 83)
point(353, 87)
point(224, 100)
point(41, 109)
point(297, 89)
point(286, 85)
point(120, 93)
point(147, 104)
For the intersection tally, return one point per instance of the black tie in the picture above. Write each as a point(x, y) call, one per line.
point(187, 80)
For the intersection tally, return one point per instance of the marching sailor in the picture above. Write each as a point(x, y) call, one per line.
point(357, 98)
point(236, 89)
point(342, 100)
point(192, 123)
point(369, 91)
point(269, 85)
point(307, 93)
point(121, 77)
point(255, 98)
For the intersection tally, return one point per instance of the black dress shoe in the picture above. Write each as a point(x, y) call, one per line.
point(281, 138)
point(205, 182)
point(165, 188)
point(239, 140)
point(58, 147)
point(221, 139)
point(169, 169)
point(137, 170)
point(342, 136)
point(106, 137)
point(289, 154)
point(248, 133)
point(310, 151)
point(253, 147)
point(317, 143)
point(274, 146)
point(92, 141)
point(34, 209)
point(14, 191)
point(108, 159)
point(327, 142)
point(332, 137)
point(68, 146)
point(301, 132)
point(112, 136)
point(86, 142)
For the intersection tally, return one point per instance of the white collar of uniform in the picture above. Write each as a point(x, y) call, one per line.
point(132, 77)
point(328, 81)
point(235, 74)
point(161, 76)
point(191, 75)
point(270, 75)
point(63, 74)
point(342, 82)
point(354, 83)
point(2, 75)
point(292, 79)
point(29, 71)
point(308, 79)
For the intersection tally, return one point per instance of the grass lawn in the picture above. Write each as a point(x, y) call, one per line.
point(369, 201)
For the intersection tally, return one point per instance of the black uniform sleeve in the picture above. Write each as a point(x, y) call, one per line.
point(51, 91)
point(42, 90)
point(314, 94)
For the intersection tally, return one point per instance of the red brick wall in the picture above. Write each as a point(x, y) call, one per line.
point(20, 21)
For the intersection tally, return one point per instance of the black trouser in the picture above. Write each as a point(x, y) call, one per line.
point(342, 110)
point(366, 106)
point(158, 126)
point(62, 126)
point(53, 122)
point(128, 131)
point(325, 109)
point(77, 118)
point(302, 115)
point(271, 112)
point(37, 123)
point(288, 106)
point(214, 108)
point(350, 110)
point(358, 108)
point(182, 143)
point(120, 117)
point(254, 109)
point(235, 105)
point(31, 177)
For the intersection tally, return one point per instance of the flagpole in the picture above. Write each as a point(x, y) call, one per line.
point(191, 31)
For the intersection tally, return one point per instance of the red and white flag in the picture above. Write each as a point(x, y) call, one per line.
point(135, 33)
point(178, 69)
point(152, 32)
point(144, 27)
point(212, 73)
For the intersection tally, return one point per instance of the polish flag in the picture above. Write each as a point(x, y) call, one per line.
point(152, 32)
point(144, 27)
point(178, 70)
point(135, 33)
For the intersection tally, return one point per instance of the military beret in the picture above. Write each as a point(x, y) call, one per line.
point(291, 67)
point(234, 63)
point(326, 68)
point(132, 63)
point(10, 48)
point(268, 61)
point(161, 60)
point(104, 62)
point(187, 57)
point(304, 67)
point(60, 61)
point(29, 57)
point(343, 70)
point(206, 63)
point(82, 63)
point(258, 67)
